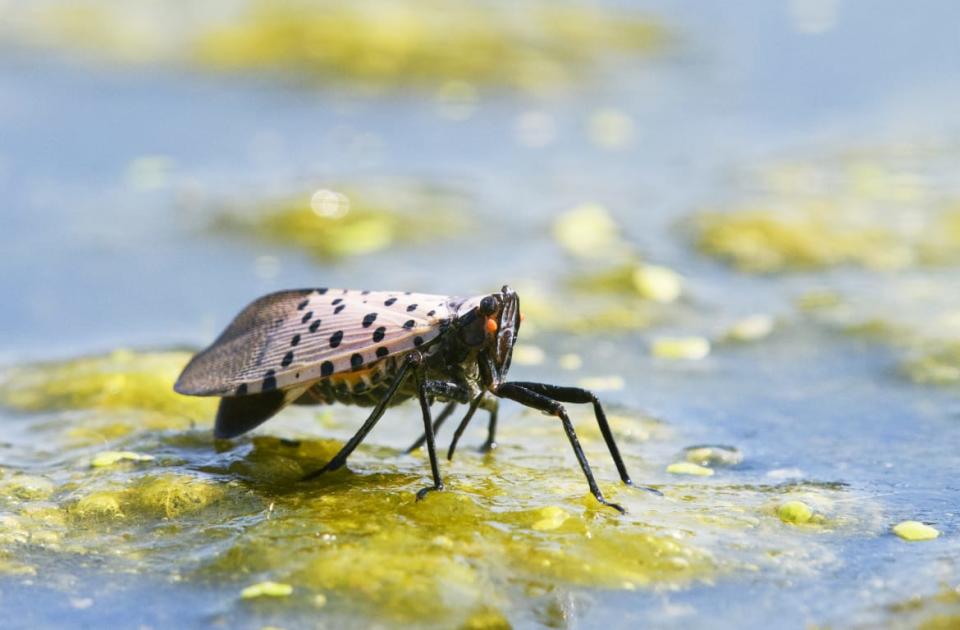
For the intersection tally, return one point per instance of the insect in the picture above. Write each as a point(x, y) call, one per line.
point(377, 349)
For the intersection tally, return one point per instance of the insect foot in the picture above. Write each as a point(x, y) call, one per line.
point(425, 491)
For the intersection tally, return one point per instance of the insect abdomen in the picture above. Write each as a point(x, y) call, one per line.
point(363, 388)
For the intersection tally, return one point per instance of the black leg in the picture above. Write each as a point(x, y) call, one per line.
point(491, 405)
point(582, 396)
point(445, 413)
point(431, 446)
point(463, 425)
point(529, 398)
point(491, 441)
point(341, 457)
point(578, 395)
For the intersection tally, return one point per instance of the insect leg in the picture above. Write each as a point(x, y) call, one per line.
point(341, 457)
point(445, 413)
point(489, 403)
point(524, 396)
point(428, 430)
point(582, 396)
point(491, 442)
point(463, 425)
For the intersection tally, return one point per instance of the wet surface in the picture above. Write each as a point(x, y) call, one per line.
point(744, 237)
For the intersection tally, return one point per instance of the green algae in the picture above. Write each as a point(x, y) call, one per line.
point(840, 210)
point(331, 225)
point(415, 43)
point(120, 381)
point(762, 241)
point(634, 278)
point(934, 364)
point(939, 611)
point(578, 315)
point(512, 530)
point(370, 43)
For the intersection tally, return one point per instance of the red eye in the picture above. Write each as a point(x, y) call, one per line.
point(491, 325)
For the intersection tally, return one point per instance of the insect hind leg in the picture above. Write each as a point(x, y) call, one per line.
point(341, 457)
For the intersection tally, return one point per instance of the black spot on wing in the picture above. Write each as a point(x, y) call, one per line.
point(315, 325)
point(356, 360)
point(326, 368)
point(382, 352)
point(302, 305)
point(306, 317)
point(390, 301)
point(295, 340)
point(368, 319)
point(409, 324)
point(337, 310)
point(379, 333)
point(336, 338)
point(287, 359)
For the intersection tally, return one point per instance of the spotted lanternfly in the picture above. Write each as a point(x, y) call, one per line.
point(377, 349)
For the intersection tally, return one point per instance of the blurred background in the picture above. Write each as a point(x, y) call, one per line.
point(740, 220)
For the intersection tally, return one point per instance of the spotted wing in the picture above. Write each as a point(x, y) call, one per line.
point(286, 339)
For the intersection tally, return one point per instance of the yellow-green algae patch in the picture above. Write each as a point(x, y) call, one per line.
point(940, 611)
point(873, 209)
point(795, 512)
point(266, 589)
point(513, 528)
point(122, 380)
point(936, 363)
point(373, 43)
point(687, 348)
point(590, 231)
point(574, 314)
point(915, 530)
point(417, 43)
point(689, 468)
point(330, 224)
point(111, 458)
point(633, 278)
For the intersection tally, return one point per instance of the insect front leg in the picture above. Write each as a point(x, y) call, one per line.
point(578, 395)
point(341, 457)
point(455, 392)
point(428, 432)
point(536, 400)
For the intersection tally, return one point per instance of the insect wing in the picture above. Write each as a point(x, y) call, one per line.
point(292, 337)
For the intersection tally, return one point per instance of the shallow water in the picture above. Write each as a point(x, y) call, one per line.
point(116, 174)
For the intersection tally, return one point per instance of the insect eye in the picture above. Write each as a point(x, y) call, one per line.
point(488, 305)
